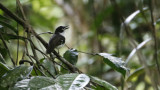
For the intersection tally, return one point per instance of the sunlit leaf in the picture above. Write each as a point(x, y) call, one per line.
point(105, 85)
point(21, 85)
point(40, 82)
point(114, 62)
point(15, 74)
point(3, 69)
point(73, 81)
point(71, 56)
point(9, 26)
point(35, 83)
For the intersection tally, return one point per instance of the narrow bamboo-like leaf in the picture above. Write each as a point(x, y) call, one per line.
point(130, 17)
point(72, 81)
point(137, 72)
point(71, 56)
point(114, 62)
point(40, 82)
point(135, 49)
point(9, 26)
point(15, 74)
point(106, 85)
point(128, 20)
point(3, 69)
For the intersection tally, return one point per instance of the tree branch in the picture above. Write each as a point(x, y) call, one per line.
point(26, 25)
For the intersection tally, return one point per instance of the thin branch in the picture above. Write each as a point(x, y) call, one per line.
point(25, 25)
point(18, 38)
point(154, 36)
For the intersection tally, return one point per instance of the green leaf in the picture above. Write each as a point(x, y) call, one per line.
point(9, 26)
point(71, 55)
point(48, 64)
point(40, 82)
point(15, 74)
point(72, 81)
point(138, 72)
point(3, 69)
point(106, 85)
point(114, 62)
point(35, 83)
point(21, 85)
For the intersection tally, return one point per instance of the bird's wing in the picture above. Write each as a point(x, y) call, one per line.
point(55, 41)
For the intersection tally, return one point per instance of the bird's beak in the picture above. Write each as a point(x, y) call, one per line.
point(66, 27)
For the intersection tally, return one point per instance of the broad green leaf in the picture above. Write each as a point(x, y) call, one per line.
point(72, 81)
point(15, 74)
point(71, 56)
point(106, 85)
point(48, 64)
point(1, 58)
point(9, 26)
point(40, 82)
point(3, 69)
point(114, 62)
point(35, 83)
point(21, 85)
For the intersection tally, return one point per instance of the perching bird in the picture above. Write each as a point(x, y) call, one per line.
point(57, 39)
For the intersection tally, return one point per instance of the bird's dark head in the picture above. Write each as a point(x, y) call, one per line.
point(61, 29)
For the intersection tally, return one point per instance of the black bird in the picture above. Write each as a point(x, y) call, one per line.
point(57, 39)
